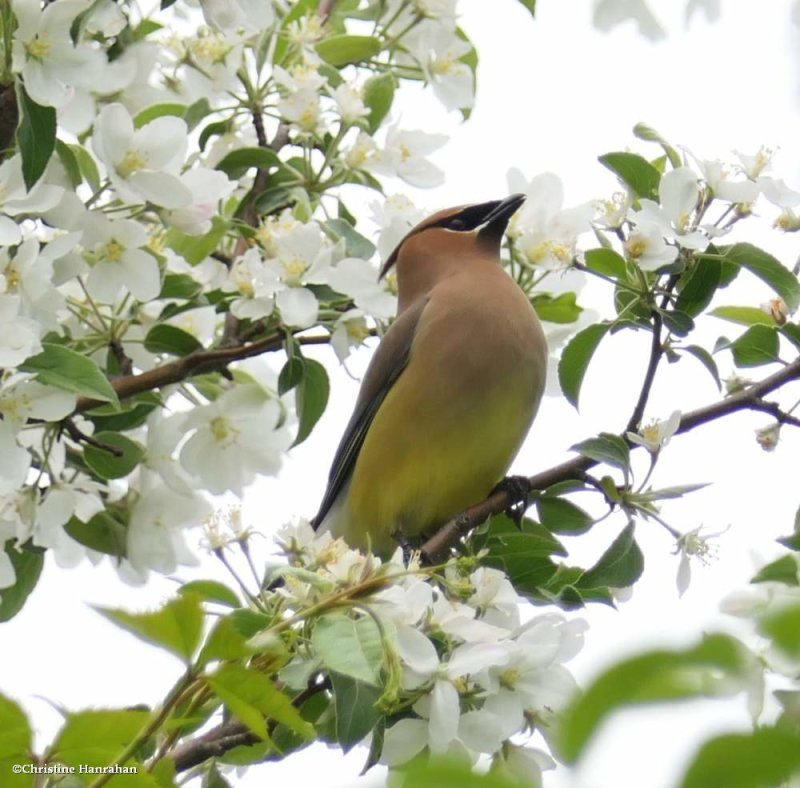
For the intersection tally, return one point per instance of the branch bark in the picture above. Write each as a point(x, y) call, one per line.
point(438, 546)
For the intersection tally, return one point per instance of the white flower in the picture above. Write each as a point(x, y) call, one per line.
point(404, 154)
point(439, 50)
point(349, 331)
point(679, 192)
point(611, 213)
point(358, 278)
point(208, 188)
point(155, 537)
point(361, 153)
point(395, 216)
point(719, 177)
point(543, 231)
point(647, 248)
point(115, 249)
point(303, 109)
point(777, 309)
point(15, 199)
point(495, 598)
point(656, 435)
point(44, 54)
point(29, 274)
point(349, 104)
point(14, 460)
point(19, 336)
point(768, 437)
point(143, 163)
point(756, 164)
point(610, 13)
point(693, 544)
point(254, 16)
point(22, 398)
point(234, 438)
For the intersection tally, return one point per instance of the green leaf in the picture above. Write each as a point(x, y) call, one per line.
point(783, 627)
point(758, 345)
point(181, 286)
point(576, 357)
point(378, 95)
point(530, 5)
point(165, 338)
point(678, 323)
point(743, 315)
point(177, 626)
point(562, 516)
point(344, 49)
point(213, 129)
point(311, 398)
point(196, 248)
point(102, 532)
point(96, 736)
point(252, 697)
point(607, 448)
point(523, 553)
point(621, 565)
point(212, 591)
point(133, 413)
point(718, 665)
point(28, 564)
point(87, 165)
point(106, 464)
point(36, 137)
point(783, 570)
point(70, 163)
point(16, 736)
point(350, 646)
point(763, 757)
point(635, 171)
point(442, 773)
point(237, 162)
point(65, 369)
point(355, 243)
point(224, 642)
point(645, 132)
point(766, 268)
point(355, 709)
point(291, 374)
point(557, 309)
point(792, 332)
point(167, 109)
point(706, 359)
point(697, 286)
point(606, 261)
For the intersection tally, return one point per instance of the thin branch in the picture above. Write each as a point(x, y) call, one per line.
point(228, 735)
point(79, 436)
point(656, 351)
point(183, 368)
point(437, 547)
point(325, 9)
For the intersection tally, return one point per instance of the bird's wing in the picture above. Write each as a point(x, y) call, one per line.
point(387, 364)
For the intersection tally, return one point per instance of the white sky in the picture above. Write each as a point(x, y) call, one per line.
point(553, 95)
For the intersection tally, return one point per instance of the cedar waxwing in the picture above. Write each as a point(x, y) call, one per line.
point(451, 391)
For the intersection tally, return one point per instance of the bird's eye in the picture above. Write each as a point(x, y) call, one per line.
point(456, 224)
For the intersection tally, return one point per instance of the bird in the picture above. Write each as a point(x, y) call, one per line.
point(451, 391)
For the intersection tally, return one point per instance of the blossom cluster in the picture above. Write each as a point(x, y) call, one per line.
point(464, 675)
point(138, 241)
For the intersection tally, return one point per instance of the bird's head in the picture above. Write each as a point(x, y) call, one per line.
point(455, 233)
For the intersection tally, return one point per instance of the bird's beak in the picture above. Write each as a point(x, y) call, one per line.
point(498, 215)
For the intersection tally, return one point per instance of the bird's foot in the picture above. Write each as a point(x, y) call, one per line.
point(406, 545)
point(518, 489)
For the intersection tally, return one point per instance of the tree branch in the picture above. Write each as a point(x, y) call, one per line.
point(182, 368)
point(437, 547)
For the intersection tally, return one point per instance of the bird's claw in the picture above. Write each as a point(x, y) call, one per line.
point(518, 488)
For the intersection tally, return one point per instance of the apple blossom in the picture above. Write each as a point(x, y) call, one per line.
point(656, 435)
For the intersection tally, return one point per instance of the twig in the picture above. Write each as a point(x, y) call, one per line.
point(228, 735)
point(79, 436)
point(437, 546)
point(325, 9)
point(656, 351)
point(182, 368)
